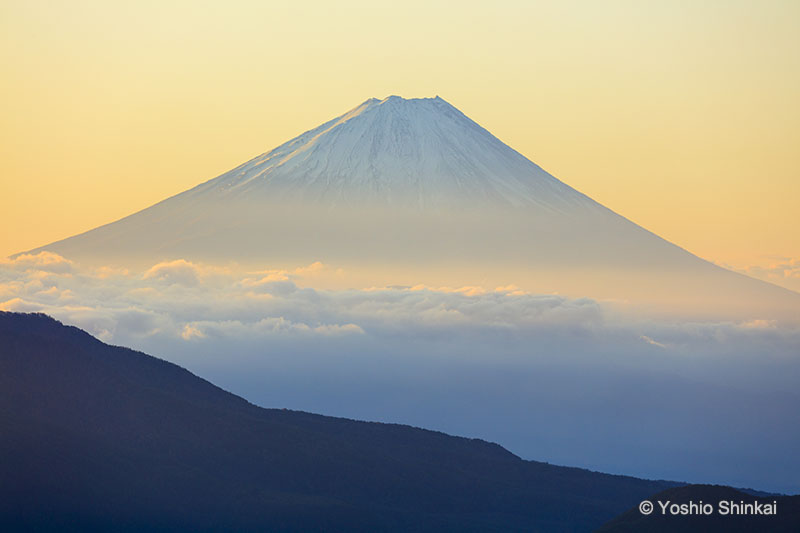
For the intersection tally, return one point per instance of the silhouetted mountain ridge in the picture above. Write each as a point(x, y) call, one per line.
point(97, 437)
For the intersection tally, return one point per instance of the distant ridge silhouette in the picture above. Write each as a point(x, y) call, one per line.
point(102, 438)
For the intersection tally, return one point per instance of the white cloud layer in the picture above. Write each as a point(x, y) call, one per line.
point(571, 381)
point(783, 271)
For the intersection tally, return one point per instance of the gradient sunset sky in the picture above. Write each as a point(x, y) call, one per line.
point(682, 116)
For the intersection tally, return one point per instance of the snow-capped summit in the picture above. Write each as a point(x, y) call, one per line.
point(397, 151)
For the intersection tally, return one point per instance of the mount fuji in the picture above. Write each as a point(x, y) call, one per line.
point(412, 191)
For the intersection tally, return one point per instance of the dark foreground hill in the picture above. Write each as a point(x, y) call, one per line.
point(737, 520)
point(96, 437)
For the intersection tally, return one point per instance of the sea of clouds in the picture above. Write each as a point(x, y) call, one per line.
point(783, 271)
point(569, 381)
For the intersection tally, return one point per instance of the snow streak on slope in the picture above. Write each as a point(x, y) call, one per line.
point(421, 152)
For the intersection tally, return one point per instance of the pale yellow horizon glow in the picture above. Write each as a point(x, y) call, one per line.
point(683, 117)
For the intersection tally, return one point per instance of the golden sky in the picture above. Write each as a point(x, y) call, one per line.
point(682, 116)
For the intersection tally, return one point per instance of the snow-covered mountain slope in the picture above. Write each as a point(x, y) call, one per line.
point(401, 191)
point(422, 152)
